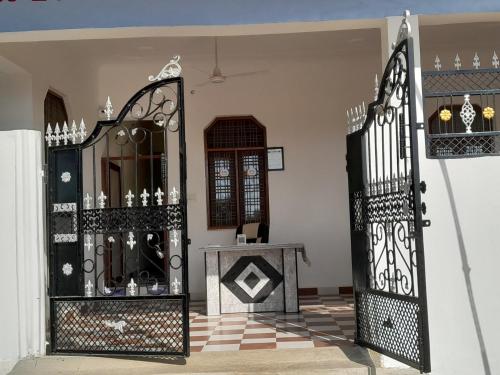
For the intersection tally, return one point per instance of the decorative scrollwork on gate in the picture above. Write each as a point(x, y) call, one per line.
point(126, 219)
point(386, 217)
point(390, 207)
point(388, 202)
point(119, 250)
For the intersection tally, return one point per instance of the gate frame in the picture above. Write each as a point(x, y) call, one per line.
point(164, 79)
point(359, 245)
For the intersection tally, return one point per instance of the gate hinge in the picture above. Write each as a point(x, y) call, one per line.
point(189, 241)
point(43, 173)
point(426, 223)
point(420, 125)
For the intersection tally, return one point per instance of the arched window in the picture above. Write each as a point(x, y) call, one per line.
point(54, 110)
point(236, 169)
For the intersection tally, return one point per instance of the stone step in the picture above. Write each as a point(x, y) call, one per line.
point(348, 360)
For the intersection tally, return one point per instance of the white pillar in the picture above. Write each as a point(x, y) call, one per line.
point(22, 277)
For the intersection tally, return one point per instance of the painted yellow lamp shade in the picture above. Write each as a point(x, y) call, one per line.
point(488, 113)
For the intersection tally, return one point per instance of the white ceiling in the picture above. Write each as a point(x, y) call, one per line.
point(96, 52)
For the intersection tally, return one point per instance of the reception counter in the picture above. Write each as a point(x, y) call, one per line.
point(252, 277)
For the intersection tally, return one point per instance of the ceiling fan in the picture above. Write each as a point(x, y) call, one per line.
point(216, 77)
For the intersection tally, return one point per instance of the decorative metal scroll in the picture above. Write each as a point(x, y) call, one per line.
point(460, 105)
point(386, 218)
point(125, 235)
point(126, 219)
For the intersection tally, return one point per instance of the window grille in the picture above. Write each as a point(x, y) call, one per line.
point(236, 172)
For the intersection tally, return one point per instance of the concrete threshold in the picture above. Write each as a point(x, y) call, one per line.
point(348, 360)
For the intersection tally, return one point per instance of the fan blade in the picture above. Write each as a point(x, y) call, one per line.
point(198, 70)
point(246, 74)
point(203, 83)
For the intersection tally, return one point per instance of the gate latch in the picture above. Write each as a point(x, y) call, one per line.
point(43, 173)
point(423, 187)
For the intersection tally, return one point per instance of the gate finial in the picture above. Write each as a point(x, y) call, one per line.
point(131, 287)
point(145, 196)
point(458, 63)
point(494, 60)
point(437, 63)
point(159, 196)
point(108, 109)
point(476, 63)
point(404, 29)
point(49, 137)
point(176, 286)
point(74, 133)
point(129, 198)
point(89, 293)
point(171, 70)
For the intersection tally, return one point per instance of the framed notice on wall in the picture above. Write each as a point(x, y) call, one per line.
point(275, 161)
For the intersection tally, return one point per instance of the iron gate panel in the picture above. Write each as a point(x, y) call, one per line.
point(386, 219)
point(131, 325)
point(389, 323)
point(117, 228)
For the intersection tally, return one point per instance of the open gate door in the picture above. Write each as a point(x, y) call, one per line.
point(386, 220)
point(117, 229)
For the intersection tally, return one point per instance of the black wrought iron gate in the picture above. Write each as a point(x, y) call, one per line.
point(116, 218)
point(386, 220)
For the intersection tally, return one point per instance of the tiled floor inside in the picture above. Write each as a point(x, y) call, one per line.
point(322, 321)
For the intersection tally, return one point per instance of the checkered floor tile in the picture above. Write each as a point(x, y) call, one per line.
point(322, 321)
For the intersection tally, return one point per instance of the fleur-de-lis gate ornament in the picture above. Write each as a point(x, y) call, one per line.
point(132, 287)
point(458, 63)
point(102, 200)
point(108, 109)
point(129, 198)
point(145, 196)
point(87, 200)
point(159, 196)
point(89, 289)
point(131, 242)
point(174, 196)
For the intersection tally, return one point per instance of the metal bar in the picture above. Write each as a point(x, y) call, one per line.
point(183, 202)
point(419, 242)
point(456, 93)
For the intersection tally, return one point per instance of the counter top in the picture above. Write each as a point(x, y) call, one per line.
point(253, 246)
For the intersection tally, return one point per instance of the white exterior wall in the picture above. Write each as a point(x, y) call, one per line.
point(15, 97)
point(49, 67)
point(463, 205)
point(22, 324)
